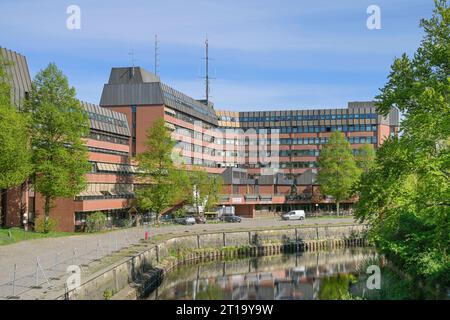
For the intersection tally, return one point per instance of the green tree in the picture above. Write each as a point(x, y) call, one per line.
point(204, 189)
point(15, 165)
point(365, 157)
point(214, 188)
point(163, 184)
point(338, 171)
point(405, 196)
point(58, 126)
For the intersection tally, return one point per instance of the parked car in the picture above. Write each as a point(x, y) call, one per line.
point(294, 215)
point(186, 220)
point(231, 218)
point(200, 220)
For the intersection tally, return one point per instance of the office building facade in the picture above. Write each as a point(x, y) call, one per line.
point(268, 159)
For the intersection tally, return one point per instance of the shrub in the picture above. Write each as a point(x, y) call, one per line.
point(96, 222)
point(108, 294)
point(180, 213)
point(43, 225)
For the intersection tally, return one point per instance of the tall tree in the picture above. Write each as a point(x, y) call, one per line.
point(338, 171)
point(204, 190)
point(214, 188)
point(163, 184)
point(58, 126)
point(405, 196)
point(15, 165)
point(365, 157)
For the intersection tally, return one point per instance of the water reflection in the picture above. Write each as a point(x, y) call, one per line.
point(318, 275)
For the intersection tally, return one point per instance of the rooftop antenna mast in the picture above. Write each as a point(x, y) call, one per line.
point(156, 54)
point(207, 77)
point(133, 60)
point(207, 71)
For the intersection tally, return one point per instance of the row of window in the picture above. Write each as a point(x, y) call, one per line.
point(108, 151)
point(190, 104)
point(298, 165)
point(262, 141)
point(199, 162)
point(105, 196)
point(108, 138)
point(299, 153)
point(310, 117)
point(106, 119)
point(307, 141)
point(266, 153)
point(316, 129)
point(186, 118)
point(228, 118)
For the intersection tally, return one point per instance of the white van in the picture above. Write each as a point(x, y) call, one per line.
point(294, 215)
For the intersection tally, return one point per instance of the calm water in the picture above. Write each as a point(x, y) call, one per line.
point(316, 275)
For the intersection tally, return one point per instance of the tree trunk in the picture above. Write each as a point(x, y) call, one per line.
point(337, 208)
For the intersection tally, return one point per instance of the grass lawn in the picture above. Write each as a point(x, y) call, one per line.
point(18, 234)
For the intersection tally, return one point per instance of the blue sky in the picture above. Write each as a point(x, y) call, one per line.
point(267, 55)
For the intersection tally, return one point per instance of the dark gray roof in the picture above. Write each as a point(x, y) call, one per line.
point(103, 119)
point(131, 94)
point(183, 103)
point(130, 75)
point(18, 74)
point(136, 86)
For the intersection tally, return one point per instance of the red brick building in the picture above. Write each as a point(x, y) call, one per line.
point(268, 159)
point(263, 156)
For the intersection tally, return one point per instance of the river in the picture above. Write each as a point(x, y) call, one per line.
point(306, 275)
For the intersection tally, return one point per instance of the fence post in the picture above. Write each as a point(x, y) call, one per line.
point(296, 235)
point(249, 238)
point(37, 273)
point(157, 253)
point(224, 239)
point(317, 233)
point(14, 281)
point(198, 241)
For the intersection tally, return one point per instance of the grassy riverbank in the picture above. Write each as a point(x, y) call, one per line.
point(14, 235)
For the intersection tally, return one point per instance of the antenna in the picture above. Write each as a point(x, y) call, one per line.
point(156, 54)
point(207, 72)
point(207, 77)
point(133, 60)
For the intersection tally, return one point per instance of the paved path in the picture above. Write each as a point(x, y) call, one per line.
point(53, 255)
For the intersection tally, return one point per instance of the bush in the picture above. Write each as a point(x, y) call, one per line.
point(180, 213)
point(108, 294)
point(43, 225)
point(96, 222)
